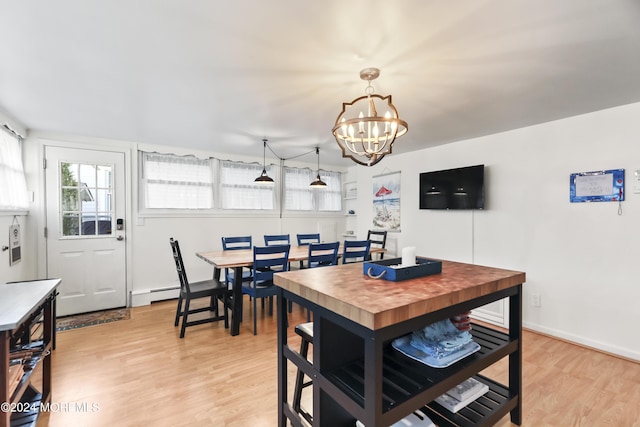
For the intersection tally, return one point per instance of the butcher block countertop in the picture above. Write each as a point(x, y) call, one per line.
point(377, 303)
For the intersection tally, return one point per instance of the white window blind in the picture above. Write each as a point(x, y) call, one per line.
point(238, 189)
point(13, 196)
point(168, 181)
point(330, 198)
point(299, 196)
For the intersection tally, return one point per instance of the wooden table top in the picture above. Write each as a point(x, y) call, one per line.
point(376, 303)
point(244, 257)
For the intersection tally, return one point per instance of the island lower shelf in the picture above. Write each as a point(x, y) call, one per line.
point(405, 379)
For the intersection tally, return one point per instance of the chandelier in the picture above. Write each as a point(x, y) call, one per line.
point(364, 136)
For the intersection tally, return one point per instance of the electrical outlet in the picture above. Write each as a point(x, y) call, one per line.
point(535, 300)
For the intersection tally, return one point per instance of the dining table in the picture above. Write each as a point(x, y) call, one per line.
point(243, 258)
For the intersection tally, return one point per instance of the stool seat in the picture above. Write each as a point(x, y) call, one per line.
point(305, 330)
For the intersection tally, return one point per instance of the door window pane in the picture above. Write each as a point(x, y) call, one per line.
point(86, 199)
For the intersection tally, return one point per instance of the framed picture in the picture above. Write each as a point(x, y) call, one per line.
point(386, 202)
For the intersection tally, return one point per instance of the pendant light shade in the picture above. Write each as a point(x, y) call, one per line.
point(318, 183)
point(264, 178)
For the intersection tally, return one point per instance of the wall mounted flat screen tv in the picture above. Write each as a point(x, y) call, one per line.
point(460, 188)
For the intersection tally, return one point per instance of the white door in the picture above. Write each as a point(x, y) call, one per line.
point(86, 228)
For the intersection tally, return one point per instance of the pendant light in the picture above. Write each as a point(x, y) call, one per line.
point(318, 183)
point(264, 178)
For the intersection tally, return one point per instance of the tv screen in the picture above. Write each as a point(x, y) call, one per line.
point(460, 188)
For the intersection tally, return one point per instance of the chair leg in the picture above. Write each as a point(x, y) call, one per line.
point(255, 315)
point(225, 307)
point(214, 305)
point(184, 318)
point(299, 384)
point(178, 310)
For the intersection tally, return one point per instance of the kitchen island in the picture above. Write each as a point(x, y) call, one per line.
point(356, 373)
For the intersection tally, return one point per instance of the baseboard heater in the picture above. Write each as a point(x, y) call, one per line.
point(172, 288)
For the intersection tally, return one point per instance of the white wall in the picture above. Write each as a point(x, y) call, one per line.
point(581, 258)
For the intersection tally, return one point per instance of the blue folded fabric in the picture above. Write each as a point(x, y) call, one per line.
point(440, 339)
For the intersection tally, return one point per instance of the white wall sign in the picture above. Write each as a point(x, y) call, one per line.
point(14, 244)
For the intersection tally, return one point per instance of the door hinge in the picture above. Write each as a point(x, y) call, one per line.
point(44, 163)
point(46, 232)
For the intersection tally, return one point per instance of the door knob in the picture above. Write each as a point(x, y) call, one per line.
point(120, 238)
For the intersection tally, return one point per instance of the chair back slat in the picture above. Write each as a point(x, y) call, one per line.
point(322, 254)
point(355, 251)
point(268, 260)
point(276, 239)
point(235, 243)
point(305, 239)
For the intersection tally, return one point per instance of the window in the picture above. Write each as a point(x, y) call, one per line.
point(168, 181)
point(13, 196)
point(300, 197)
point(238, 189)
point(330, 198)
point(85, 198)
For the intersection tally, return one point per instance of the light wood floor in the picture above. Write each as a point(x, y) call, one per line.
point(138, 372)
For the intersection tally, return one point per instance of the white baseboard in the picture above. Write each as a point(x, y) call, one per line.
point(147, 296)
point(587, 342)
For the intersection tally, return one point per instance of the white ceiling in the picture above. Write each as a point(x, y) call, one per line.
point(222, 75)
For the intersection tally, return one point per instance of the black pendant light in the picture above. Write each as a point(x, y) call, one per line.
point(264, 178)
point(318, 183)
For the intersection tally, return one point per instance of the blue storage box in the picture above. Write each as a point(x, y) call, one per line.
point(390, 269)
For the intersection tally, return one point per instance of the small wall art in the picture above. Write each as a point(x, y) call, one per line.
point(386, 202)
point(597, 186)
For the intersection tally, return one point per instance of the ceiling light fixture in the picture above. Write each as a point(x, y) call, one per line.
point(264, 178)
point(363, 135)
point(318, 183)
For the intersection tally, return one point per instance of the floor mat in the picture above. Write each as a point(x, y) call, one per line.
point(91, 319)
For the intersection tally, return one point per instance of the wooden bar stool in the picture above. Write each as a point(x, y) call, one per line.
point(305, 330)
point(320, 255)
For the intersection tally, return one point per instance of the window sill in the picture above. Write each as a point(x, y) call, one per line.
point(4, 212)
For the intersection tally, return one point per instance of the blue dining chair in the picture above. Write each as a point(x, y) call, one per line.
point(323, 254)
point(305, 239)
point(355, 251)
point(267, 260)
point(233, 244)
point(276, 239)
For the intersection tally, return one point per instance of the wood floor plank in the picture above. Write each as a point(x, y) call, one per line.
point(138, 372)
